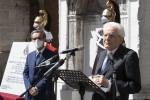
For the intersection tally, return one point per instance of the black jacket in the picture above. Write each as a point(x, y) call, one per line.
point(126, 65)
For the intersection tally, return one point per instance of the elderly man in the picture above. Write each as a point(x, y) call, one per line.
point(126, 65)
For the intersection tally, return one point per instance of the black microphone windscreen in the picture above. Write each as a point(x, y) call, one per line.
point(80, 47)
point(49, 61)
point(55, 58)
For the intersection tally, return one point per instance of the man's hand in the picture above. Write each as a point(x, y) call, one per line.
point(100, 79)
point(91, 78)
point(33, 91)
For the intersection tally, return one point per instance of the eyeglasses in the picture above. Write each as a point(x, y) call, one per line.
point(110, 35)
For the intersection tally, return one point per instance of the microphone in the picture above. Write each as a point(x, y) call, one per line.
point(115, 88)
point(45, 66)
point(47, 63)
point(80, 47)
point(52, 69)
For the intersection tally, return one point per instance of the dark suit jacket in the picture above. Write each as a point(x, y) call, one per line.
point(126, 65)
point(32, 75)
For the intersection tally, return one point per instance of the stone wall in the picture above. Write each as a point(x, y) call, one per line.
point(14, 27)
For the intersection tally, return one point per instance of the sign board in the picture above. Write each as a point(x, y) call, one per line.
point(12, 81)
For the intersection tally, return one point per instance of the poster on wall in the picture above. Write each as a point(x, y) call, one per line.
point(12, 82)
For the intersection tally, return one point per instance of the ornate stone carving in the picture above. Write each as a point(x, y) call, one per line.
point(84, 7)
point(89, 7)
point(123, 7)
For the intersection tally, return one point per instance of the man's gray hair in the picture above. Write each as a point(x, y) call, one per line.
point(118, 26)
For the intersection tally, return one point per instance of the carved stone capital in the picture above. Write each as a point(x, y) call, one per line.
point(84, 7)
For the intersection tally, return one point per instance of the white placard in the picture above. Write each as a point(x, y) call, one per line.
point(12, 81)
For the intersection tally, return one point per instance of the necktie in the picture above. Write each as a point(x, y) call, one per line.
point(38, 58)
point(104, 64)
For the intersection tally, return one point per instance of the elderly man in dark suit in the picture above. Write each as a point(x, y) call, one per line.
point(126, 65)
point(32, 75)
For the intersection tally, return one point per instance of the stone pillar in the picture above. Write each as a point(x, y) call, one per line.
point(144, 47)
point(75, 38)
point(92, 24)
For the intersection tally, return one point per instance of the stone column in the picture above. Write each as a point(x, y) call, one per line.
point(75, 38)
point(144, 47)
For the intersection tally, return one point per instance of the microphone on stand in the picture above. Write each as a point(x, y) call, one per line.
point(52, 69)
point(57, 65)
point(48, 63)
point(115, 88)
point(45, 66)
point(80, 47)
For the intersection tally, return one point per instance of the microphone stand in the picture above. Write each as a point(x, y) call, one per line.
point(116, 93)
point(54, 84)
point(55, 78)
point(48, 73)
point(40, 66)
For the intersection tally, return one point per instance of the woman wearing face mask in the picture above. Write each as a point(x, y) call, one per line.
point(42, 22)
point(32, 75)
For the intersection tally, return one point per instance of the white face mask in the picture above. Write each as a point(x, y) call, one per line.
point(38, 43)
point(36, 26)
point(104, 20)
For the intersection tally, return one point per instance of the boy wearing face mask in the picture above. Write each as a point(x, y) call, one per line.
point(32, 75)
